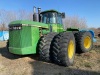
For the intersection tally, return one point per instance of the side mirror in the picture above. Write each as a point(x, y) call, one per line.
point(63, 15)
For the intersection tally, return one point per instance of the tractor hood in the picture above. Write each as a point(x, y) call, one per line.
point(28, 23)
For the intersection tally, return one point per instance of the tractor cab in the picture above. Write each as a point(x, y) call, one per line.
point(52, 18)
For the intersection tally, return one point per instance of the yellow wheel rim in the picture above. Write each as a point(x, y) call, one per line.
point(87, 42)
point(71, 48)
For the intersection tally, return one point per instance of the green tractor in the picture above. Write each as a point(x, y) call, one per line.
point(45, 36)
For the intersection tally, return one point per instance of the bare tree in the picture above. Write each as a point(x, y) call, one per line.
point(7, 16)
point(3, 27)
point(99, 28)
point(30, 16)
point(24, 15)
point(74, 22)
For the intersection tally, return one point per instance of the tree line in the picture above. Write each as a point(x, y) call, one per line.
point(6, 16)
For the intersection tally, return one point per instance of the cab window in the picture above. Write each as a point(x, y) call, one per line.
point(59, 19)
point(49, 17)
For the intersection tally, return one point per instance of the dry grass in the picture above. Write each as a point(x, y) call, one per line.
point(86, 63)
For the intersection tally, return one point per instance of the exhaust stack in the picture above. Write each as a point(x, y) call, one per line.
point(35, 18)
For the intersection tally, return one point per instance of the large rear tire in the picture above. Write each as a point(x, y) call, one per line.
point(44, 46)
point(63, 49)
point(84, 41)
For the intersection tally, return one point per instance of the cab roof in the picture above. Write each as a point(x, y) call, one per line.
point(52, 10)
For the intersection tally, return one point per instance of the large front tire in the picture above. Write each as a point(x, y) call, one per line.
point(44, 46)
point(63, 50)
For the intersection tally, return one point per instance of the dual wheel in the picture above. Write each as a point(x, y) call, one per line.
point(61, 48)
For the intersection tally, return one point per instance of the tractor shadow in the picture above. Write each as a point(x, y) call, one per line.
point(43, 68)
point(5, 53)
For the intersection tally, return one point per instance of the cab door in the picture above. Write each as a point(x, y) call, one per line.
point(59, 23)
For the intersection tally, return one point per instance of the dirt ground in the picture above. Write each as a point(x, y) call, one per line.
point(84, 64)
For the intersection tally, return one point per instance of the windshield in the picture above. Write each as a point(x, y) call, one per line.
point(49, 17)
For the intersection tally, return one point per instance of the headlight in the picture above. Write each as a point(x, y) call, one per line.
point(14, 28)
point(19, 28)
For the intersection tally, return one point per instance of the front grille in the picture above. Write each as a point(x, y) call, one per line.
point(26, 37)
point(21, 38)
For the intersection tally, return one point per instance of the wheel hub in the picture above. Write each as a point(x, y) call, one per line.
point(87, 42)
point(71, 48)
